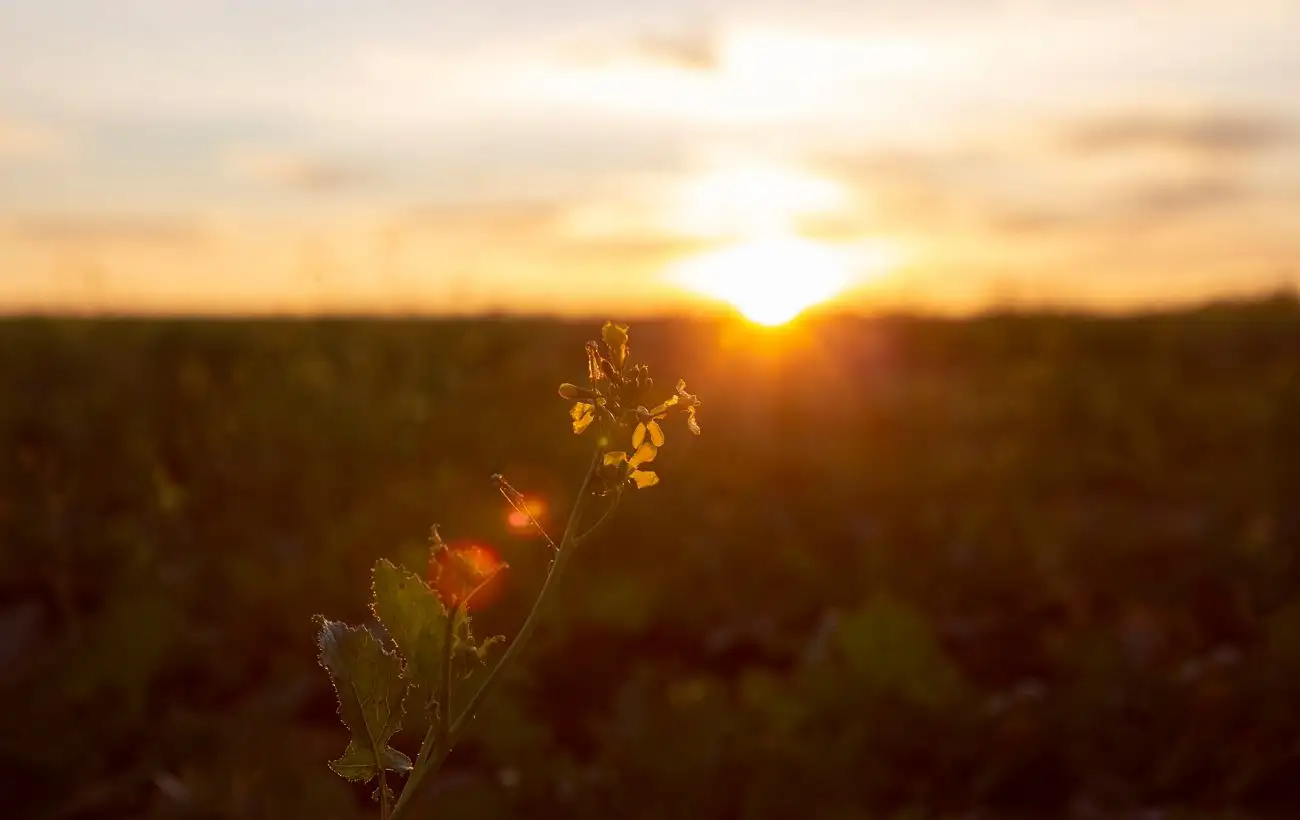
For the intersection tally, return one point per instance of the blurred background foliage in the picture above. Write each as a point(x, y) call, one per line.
point(1013, 566)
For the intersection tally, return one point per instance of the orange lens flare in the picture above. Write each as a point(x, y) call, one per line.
point(519, 519)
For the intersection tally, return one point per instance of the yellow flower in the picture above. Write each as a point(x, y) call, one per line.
point(615, 337)
point(689, 401)
point(613, 389)
point(630, 467)
point(648, 427)
point(583, 414)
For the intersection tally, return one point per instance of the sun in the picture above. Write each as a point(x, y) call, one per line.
point(770, 281)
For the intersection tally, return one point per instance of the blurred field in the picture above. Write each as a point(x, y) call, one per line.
point(1017, 566)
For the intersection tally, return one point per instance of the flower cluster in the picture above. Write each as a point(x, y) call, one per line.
point(615, 401)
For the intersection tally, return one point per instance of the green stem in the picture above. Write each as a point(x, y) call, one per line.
point(434, 751)
point(442, 719)
point(435, 739)
point(385, 811)
point(567, 542)
point(613, 505)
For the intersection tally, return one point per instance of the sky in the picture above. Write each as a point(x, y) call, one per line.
point(198, 156)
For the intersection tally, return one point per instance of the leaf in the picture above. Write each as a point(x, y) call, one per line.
point(368, 681)
point(417, 622)
point(358, 762)
point(470, 655)
point(462, 571)
point(383, 790)
point(482, 649)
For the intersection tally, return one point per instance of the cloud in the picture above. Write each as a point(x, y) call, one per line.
point(1006, 189)
point(293, 172)
point(1141, 206)
point(1166, 199)
point(22, 140)
point(1218, 134)
point(103, 229)
point(697, 50)
point(492, 221)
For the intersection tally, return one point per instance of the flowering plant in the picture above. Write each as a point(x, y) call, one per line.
point(420, 645)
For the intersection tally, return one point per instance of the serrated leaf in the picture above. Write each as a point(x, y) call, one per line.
point(461, 572)
point(417, 622)
point(368, 681)
point(381, 791)
point(468, 652)
point(484, 648)
point(358, 762)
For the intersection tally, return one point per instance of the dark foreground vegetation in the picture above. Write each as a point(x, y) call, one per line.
point(1019, 566)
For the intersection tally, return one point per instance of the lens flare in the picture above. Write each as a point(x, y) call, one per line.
point(520, 521)
point(482, 561)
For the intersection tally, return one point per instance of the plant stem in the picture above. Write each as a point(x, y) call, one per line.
point(442, 719)
point(613, 505)
point(434, 750)
point(385, 810)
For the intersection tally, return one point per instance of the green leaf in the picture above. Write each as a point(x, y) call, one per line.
point(481, 651)
point(470, 654)
point(368, 681)
point(417, 621)
point(358, 762)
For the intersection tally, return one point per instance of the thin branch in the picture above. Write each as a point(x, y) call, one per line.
point(442, 718)
point(565, 551)
point(520, 505)
point(609, 511)
point(379, 760)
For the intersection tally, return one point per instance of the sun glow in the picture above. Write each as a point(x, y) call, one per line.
point(752, 200)
point(770, 281)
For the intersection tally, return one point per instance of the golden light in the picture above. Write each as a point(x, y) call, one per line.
point(752, 200)
point(484, 561)
point(771, 280)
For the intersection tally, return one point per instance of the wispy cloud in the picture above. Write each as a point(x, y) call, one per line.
point(696, 50)
point(1213, 133)
point(294, 172)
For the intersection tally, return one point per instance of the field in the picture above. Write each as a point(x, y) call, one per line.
point(1013, 566)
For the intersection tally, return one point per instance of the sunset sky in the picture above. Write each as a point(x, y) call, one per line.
point(577, 156)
